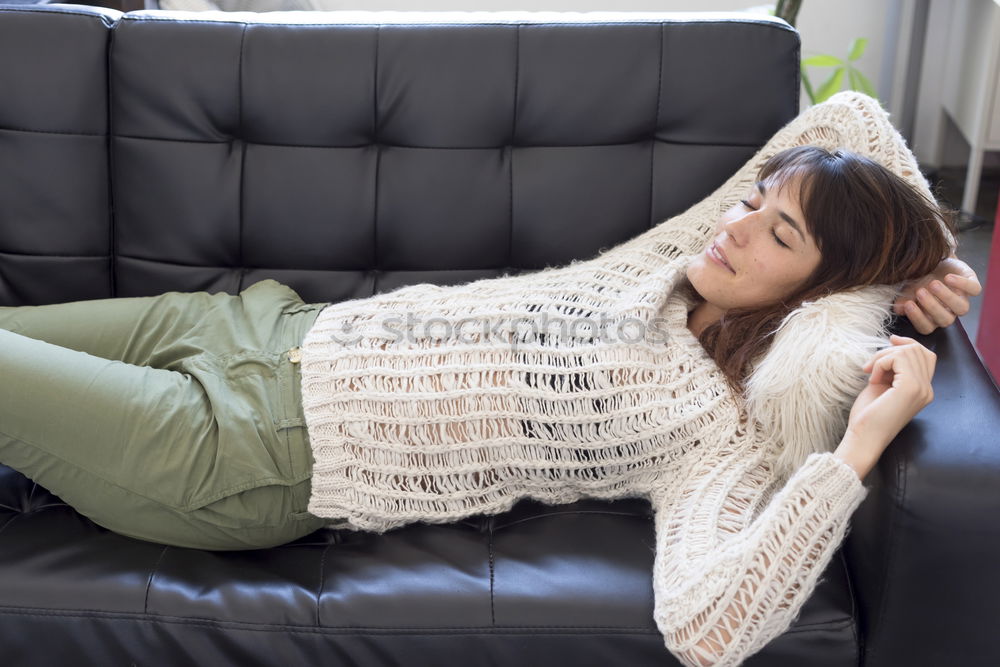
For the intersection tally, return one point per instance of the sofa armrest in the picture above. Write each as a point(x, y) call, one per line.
point(924, 547)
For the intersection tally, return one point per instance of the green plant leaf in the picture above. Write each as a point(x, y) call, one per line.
point(866, 85)
point(852, 78)
point(857, 48)
point(831, 85)
point(808, 86)
point(823, 61)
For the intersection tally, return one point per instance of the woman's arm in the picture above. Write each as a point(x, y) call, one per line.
point(899, 387)
point(846, 120)
point(732, 570)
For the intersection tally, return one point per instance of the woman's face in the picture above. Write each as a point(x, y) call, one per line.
point(761, 252)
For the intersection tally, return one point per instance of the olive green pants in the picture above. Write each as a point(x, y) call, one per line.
point(174, 418)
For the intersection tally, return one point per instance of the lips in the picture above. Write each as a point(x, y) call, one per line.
point(717, 254)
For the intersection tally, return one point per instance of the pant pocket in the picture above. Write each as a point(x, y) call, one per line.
point(248, 450)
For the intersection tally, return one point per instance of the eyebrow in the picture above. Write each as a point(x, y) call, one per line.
point(784, 216)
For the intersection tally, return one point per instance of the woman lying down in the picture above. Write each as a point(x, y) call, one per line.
point(730, 365)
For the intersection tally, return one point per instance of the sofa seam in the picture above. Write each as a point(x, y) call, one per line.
point(797, 73)
point(9, 128)
point(492, 566)
point(513, 138)
point(440, 24)
point(378, 162)
point(656, 121)
point(346, 629)
point(243, 158)
point(149, 581)
point(214, 266)
point(50, 255)
point(110, 173)
point(29, 510)
point(420, 148)
point(854, 615)
point(319, 590)
point(899, 495)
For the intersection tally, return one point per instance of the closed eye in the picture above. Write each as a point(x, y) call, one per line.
point(773, 233)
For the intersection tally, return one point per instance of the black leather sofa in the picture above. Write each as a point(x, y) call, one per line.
point(348, 154)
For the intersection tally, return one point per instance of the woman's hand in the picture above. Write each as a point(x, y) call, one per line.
point(899, 387)
point(939, 297)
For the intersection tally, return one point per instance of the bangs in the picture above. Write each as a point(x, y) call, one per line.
point(821, 181)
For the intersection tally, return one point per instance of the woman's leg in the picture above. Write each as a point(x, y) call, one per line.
point(191, 456)
point(91, 429)
point(145, 331)
point(140, 450)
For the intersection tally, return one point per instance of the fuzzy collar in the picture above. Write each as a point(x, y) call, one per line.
point(804, 387)
point(801, 391)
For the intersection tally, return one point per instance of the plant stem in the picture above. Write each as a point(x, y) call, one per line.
point(788, 10)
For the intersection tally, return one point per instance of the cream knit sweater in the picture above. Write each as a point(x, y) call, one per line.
point(433, 403)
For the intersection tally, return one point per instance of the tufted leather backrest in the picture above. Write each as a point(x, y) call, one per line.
point(55, 216)
point(371, 150)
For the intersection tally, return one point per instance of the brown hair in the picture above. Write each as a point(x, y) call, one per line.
point(871, 227)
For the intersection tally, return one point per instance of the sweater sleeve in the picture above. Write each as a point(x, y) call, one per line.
point(735, 558)
point(847, 119)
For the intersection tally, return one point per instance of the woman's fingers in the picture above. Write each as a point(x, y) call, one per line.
point(880, 370)
point(967, 284)
point(908, 366)
point(954, 299)
point(933, 306)
point(870, 364)
point(899, 388)
point(940, 297)
point(921, 322)
point(895, 343)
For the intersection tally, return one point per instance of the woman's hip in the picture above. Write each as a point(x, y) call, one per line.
point(255, 397)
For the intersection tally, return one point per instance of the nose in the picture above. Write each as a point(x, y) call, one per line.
point(740, 227)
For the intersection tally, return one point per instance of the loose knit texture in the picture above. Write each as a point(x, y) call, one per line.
point(434, 403)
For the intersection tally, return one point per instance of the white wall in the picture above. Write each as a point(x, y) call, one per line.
point(937, 141)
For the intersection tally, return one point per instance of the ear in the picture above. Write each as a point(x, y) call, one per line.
point(802, 390)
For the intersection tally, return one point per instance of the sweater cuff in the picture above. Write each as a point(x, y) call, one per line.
point(829, 478)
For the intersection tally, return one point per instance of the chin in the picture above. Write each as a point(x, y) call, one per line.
point(696, 275)
point(706, 283)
